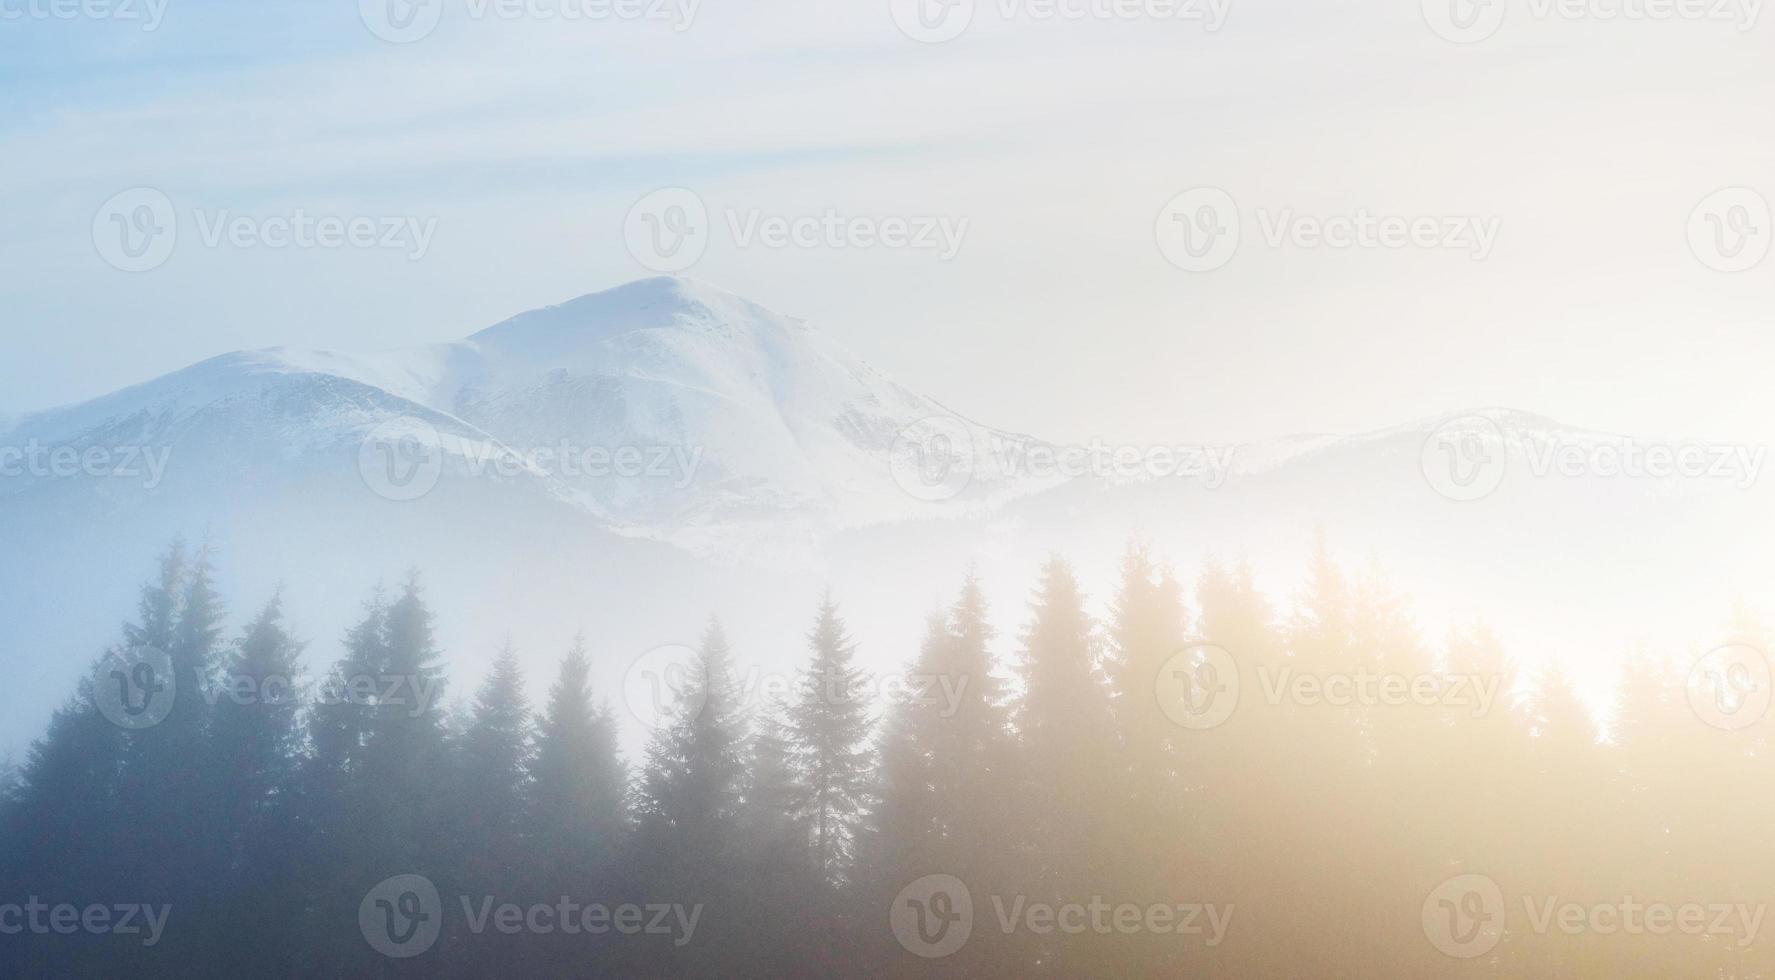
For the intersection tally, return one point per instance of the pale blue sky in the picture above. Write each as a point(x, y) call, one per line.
point(528, 141)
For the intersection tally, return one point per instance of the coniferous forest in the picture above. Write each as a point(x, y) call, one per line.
point(1203, 781)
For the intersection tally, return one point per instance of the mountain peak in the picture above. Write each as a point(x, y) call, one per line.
point(661, 302)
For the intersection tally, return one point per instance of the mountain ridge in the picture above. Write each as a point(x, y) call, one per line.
point(804, 478)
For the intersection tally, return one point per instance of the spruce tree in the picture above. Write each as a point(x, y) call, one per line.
point(1068, 756)
point(691, 785)
point(62, 831)
point(1146, 632)
point(690, 809)
point(906, 825)
point(339, 723)
point(775, 830)
point(405, 748)
point(487, 854)
point(495, 772)
point(579, 809)
point(77, 759)
point(166, 809)
point(945, 751)
point(256, 735)
point(255, 765)
point(829, 723)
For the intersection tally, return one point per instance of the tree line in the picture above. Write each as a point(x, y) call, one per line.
point(1200, 782)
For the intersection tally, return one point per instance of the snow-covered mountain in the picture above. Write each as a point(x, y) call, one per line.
point(629, 461)
point(664, 408)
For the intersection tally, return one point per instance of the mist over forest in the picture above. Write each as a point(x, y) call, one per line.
point(1209, 781)
point(1008, 489)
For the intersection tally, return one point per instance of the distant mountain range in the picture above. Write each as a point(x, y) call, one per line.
point(632, 459)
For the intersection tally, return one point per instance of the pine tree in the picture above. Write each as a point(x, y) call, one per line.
point(254, 749)
point(907, 824)
point(486, 813)
point(788, 928)
point(691, 819)
point(78, 758)
point(405, 747)
point(181, 617)
point(829, 723)
point(339, 725)
point(773, 792)
point(1064, 717)
point(166, 809)
point(945, 751)
point(946, 779)
point(971, 739)
point(158, 609)
point(256, 736)
point(495, 772)
point(579, 810)
point(1068, 750)
point(691, 785)
point(62, 829)
point(374, 800)
point(1147, 630)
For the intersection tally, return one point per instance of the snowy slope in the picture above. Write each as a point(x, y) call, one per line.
point(746, 429)
point(786, 469)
